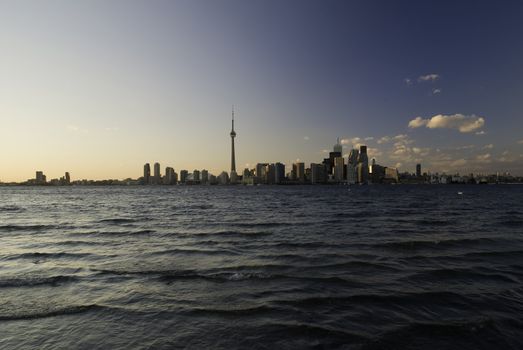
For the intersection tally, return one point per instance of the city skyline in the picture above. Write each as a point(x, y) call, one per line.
point(86, 90)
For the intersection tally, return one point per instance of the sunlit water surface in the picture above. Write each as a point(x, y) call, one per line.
point(375, 267)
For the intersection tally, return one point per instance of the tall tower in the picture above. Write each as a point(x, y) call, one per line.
point(233, 135)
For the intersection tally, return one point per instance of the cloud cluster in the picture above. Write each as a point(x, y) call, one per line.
point(428, 78)
point(461, 122)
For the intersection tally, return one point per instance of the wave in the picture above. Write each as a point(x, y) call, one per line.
point(481, 333)
point(459, 274)
point(14, 227)
point(232, 233)
point(117, 221)
point(71, 310)
point(38, 255)
point(195, 251)
point(114, 233)
point(229, 276)
point(431, 244)
point(433, 222)
point(36, 281)
point(266, 224)
point(331, 338)
point(11, 208)
point(387, 299)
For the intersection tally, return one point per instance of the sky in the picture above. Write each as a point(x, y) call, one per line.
point(100, 87)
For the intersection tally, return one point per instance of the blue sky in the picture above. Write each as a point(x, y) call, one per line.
point(98, 88)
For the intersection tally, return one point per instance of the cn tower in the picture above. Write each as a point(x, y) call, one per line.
point(233, 135)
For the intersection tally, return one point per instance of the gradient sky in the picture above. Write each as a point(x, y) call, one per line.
point(99, 88)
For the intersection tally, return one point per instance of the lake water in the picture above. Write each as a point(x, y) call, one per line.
point(297, 267)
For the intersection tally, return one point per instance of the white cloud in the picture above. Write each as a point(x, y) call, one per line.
point(384, 139)
point(355, 142)
point(465, 147)
point(374, 152)
point(483, 158)
point(407, 81)
point(489, 146)
point(418, 122)
point(481, 132)
point(436, 91)
point(461, 122)
point(369, 138)
point(429, 77)
point(306, 138)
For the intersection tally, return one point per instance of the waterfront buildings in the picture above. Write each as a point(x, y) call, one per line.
point(40, 178)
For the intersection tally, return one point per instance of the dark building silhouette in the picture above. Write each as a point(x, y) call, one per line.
point(146, 174)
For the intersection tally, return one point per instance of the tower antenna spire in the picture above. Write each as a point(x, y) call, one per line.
point(233, 157)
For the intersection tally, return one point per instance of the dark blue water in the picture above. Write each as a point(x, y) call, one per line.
point(395, 267)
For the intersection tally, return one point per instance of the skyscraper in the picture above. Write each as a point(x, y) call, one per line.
point(337, 147)
point(157, 175)
point(339, 165)
point(318, 173)
point(300, 172)
point(363, 165)
point(353, 157)
point(40, 178)
point(196, 175)
point(418, 170)
point(205, 176)
point(233, 135)
point(146, 174)
point(280, 173)
point(183, 176)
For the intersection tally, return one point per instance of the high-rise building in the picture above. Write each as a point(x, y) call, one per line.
point(205, 176)
point(223, 178)
point(318, 173)
point(196, 175)
point(338, 147)
point(280, 173)
point(157, 174)
point(271, 174)
point(261, 173)
point(352, 173)
point(300, 172)
point(339, 165)
point(418, 170)
point(67, 178)
point(363, 165)
point(184, 174)
point(233, 135)
point(40, 179)
point(170, 176)
point(353, 157)
point(146, 174)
